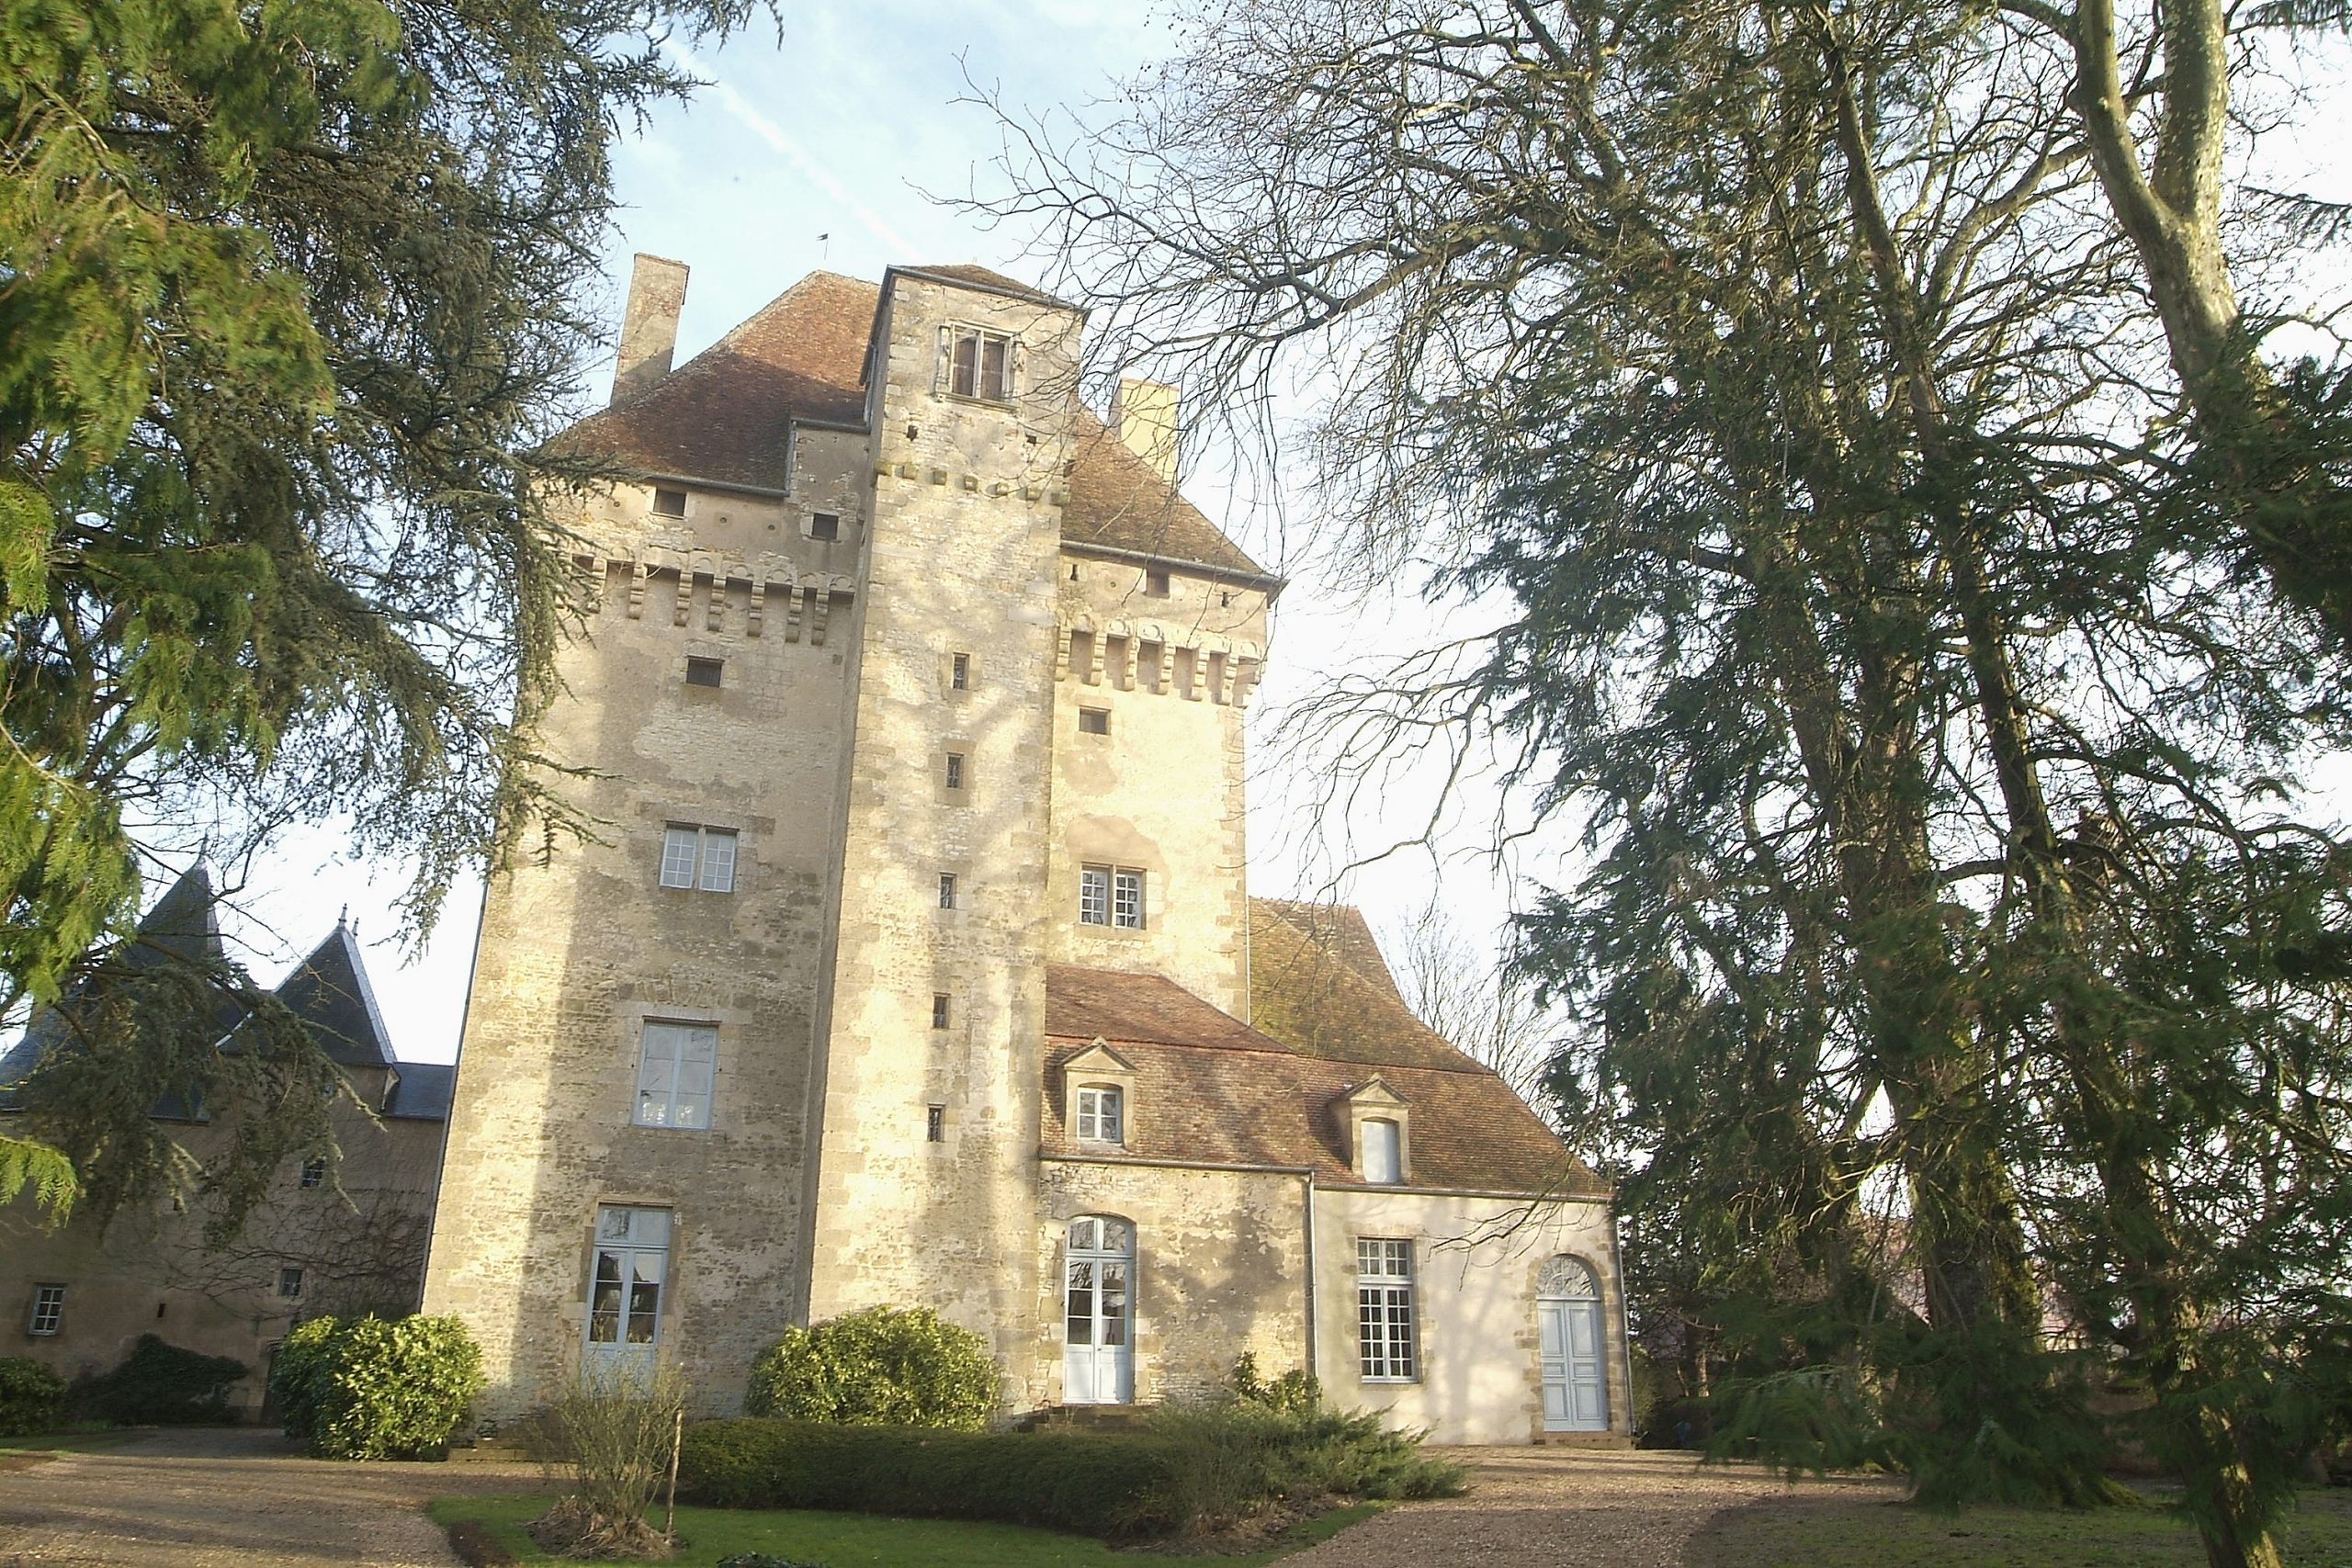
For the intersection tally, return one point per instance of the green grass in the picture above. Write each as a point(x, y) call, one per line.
point(1811, 1531)
point(866, 1540)
point(72, 1439)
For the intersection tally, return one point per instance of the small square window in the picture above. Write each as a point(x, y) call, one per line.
point(981, 365)
point(939, 1007)
point(825, 525)
point(698, 857)
point(49, 1310)
point(314, 1171)
point(1094, 721)
point(1099, 1118)
point(959, 672)
point(954, 770)
point(935, 1125)
point(289, 1284)
point(1155, 584)
point(946, 890)
point(704, 671)
point(669, 503)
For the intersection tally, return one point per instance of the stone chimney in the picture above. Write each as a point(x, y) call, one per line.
point(1144, 413)
point(657, 292)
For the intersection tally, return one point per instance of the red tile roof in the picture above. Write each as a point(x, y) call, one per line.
point(1210, 1089)
point(722, 416)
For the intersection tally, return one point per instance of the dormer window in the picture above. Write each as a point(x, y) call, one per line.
point(1100, 1114)
point(1384, 1157)
point(1380, 1134)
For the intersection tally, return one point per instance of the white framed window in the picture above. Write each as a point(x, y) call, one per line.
point(979, 364)
point(698, 857)
point(1101, 1115)
point(314, 1171)
point(49, 1310)
point(1110, 895)
point(1384, 1309)
point(675, 1065)
point(1384, 1159)
point(625, 1281)
point(289, 1284)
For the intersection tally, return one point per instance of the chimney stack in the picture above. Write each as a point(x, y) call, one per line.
point(1144, 413)
point(657, 292)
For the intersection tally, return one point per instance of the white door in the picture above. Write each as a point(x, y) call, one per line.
point(1572, 1348)
point(1097, 1349)
point(626, 1280)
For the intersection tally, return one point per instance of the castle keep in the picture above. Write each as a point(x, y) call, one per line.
point(915, 964)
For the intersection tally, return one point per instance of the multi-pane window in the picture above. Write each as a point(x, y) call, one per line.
point(49, 1310)
point(289, 1284)
point(1098, 1116)
point(698, 857)
point(676, 1063)
point(1110, 895)
point(625, 1293)
point(1384, 1309)
point(314, 1171)
point(981, 365)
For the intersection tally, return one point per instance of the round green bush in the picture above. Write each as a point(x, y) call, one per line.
point(882, 1367)
point(375, 1388)
point(29, 1397)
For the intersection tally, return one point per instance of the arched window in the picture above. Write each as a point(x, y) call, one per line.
point(1102, 1115)
point(1566, 1279)
point(1383, 1153)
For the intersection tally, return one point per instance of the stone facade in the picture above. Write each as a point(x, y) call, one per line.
point(955, 680)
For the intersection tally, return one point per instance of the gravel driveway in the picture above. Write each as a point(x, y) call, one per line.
point(231, 1497)
point(235, 1499)
point(1561, 1507)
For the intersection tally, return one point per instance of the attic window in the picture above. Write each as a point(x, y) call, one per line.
point(1155, 584)
point(704, 671)
point(979, 365)
point(1094, 721)
point(825, 525)
point(669, 503)
point(1100, 1117)
point(1383, 1153)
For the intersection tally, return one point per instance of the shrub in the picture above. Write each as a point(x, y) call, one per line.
point(611, 1429)
point(158, 1385)
point(375, 1388)
point(1232, 1456)
point(30, 1396)
point(1102, 1484)
point(882, 1367)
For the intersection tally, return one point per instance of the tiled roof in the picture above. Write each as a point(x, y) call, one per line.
point(968, 272)
point(1318, 982)
point(1209, 1089)
point(723, 416)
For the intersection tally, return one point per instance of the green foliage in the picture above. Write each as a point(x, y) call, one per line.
point(1230, 1457)
point(375, 1388)
point(158, 1385)
point(1294, 1392)
point(880, 1367)
point(24, 1163)
point(294, 303)
point(30, 1396)
point(1105, 1484)
point(763, 1560)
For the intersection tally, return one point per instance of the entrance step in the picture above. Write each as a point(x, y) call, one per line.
point(1084, 1418)
point(1585, 1440)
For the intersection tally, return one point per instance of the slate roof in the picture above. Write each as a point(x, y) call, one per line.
point(1213, 1090)
point(421, 1091)
point(724, 417)
point(329, 992)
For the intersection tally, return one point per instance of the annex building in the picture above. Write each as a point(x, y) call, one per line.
point(915, 962)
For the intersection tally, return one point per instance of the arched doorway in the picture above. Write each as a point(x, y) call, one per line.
point(1572, 1348)
point(1098, 1337)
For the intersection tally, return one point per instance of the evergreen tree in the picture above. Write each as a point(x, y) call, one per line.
point(290, 297)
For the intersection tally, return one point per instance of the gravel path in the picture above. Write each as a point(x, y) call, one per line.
point(229, 1498)
point(1559, 1508)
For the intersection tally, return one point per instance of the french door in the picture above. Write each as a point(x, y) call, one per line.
point(1098, 1313)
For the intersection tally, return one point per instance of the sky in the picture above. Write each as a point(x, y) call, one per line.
point(824, 149)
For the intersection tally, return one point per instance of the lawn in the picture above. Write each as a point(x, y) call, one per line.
point(864, 1540)
point(1802, 1531)
point(73, 1440)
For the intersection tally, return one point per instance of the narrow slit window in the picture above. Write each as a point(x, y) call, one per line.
point(935, 1125)
point(959, 672)
point(946, 890)
point(939, 1009)
point(954, 770)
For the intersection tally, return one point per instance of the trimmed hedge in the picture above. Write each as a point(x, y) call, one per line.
point(1092, 1484)
point(375, 1388)
point(160, 1384)
point(881, 1367)
point(30, 1396)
